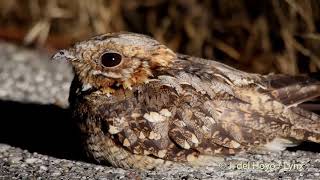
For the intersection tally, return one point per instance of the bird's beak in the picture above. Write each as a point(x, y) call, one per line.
point(63, 55)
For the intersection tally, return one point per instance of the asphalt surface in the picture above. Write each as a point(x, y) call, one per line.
point(38, 140)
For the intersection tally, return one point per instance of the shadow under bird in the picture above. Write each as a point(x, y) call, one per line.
point(140, 105)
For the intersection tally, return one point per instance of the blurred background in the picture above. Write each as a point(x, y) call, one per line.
point(256, 36)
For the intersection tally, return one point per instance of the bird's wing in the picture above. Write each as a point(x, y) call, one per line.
point(293, 90)
point(161, 121)
point(252, 102)
point(289, 90)
point(180, 114)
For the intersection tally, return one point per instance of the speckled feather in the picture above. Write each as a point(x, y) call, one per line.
point(157, 107)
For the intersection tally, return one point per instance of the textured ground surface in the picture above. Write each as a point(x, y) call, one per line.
point(37, 139)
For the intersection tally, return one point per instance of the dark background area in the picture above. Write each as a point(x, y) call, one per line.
point(257, 36)
point(45, 129)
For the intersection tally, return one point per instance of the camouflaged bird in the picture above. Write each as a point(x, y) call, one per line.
point(140, 105)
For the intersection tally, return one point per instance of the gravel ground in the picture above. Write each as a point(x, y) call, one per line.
point(38, 141)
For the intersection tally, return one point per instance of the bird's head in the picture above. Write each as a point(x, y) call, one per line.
point(116, 60)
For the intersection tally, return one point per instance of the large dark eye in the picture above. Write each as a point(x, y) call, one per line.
point(111, 59)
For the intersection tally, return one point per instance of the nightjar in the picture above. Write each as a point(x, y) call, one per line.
point(140, 105)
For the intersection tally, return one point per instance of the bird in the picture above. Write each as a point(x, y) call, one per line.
point(140, 105)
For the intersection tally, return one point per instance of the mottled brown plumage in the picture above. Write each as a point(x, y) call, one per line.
point(155, 107)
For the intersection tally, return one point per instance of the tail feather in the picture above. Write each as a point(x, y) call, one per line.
point(293, 90)
point(306, 125)
point(304, 135)
point(296, 94)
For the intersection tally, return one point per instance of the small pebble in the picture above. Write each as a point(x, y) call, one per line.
point(56, 173)
point(33, 160)
point(43, 168)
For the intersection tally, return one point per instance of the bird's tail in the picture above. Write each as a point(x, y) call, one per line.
point(306, 125)
point(293, 91)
